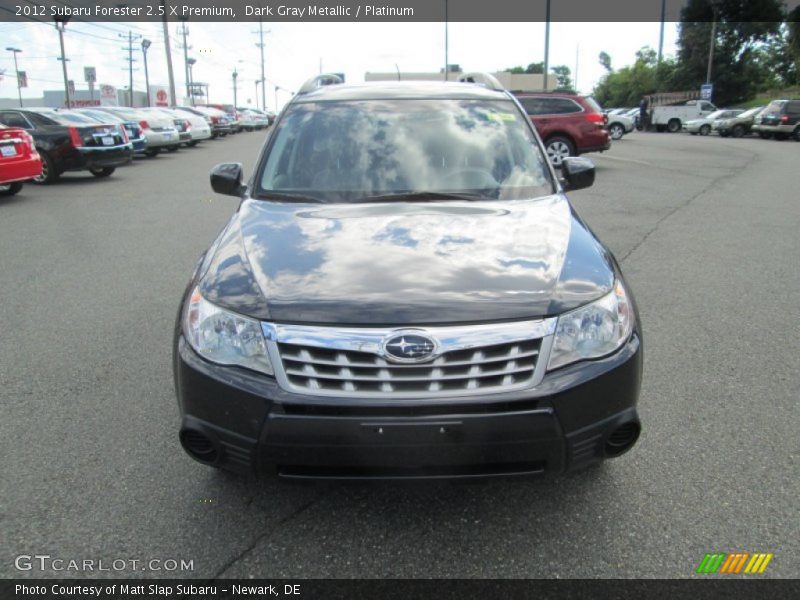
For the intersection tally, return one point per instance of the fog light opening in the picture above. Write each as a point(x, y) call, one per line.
point(621, 439)
point(199, 445)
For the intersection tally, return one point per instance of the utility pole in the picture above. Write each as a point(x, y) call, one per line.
point(235, 75)
point(16, 72)
point(184, 31)
point(260, 44)
point(446, 43)
point(168, 50)
point(711, 44)
point(546, 44)
point(577, 62)
point(145, 45)
point(131, 37)
point(661, 35)
point(61, 22)
point(257, 94)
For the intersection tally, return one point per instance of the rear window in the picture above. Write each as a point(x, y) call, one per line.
point(542, 105)
point(351, 151)
point(775, 107)
point(68, 118)
point(593, 104)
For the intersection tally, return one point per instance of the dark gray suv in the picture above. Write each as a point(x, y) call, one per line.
point(405, 291)
point(780, 119)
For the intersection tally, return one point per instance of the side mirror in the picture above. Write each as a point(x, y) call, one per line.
point(226, 178)
point(578, 173)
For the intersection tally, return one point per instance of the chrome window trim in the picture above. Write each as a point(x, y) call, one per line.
point(370, 340)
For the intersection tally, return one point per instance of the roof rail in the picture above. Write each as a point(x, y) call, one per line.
point(485, 79)
point(320, 81)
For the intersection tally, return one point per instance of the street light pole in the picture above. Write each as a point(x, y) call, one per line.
point(190, 83)
point(16, 72)
point(546, 44)
point(145, 46)
point(235, 75)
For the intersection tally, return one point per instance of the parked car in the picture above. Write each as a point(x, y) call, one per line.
point(480, 328)
point(619, 123)
point(569, 124)
point(19, 160)
point(704, 125)
point(220, 122)
point(196, 127)
point(780, 119)
point(231, 112)
point(672, 117)
point(132, 128)
point(159, 131)
point(70, 141)
point(179, 121)
point(739, 125)
point(253, 120)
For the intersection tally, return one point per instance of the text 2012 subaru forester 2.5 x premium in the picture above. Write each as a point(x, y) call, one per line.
point(405, 291)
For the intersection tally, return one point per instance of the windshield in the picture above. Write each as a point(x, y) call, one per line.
point(716, 114)
point(357, 150)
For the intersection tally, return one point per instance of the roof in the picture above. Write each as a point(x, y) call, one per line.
point(400, 90)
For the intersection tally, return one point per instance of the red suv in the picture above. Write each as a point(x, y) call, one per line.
point(568, 124)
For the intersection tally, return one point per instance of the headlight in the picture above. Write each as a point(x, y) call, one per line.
point(224, 337)
point(593, 330)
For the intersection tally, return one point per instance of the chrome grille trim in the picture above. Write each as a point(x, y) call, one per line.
point(349, 362)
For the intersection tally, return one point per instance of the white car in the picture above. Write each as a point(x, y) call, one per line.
point(619, 124)
point(707, 124)
point(159, 129)
point(198, 128)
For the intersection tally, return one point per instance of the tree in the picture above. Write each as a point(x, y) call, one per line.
point(605, 60)
point(533, 68)
point(744, 29)
point(626, 86)
point(563, 77)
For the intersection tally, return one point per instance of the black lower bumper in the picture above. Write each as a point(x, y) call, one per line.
point(242, 421)
point(89, 158)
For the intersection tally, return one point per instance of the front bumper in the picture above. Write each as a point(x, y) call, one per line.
point(246, 422)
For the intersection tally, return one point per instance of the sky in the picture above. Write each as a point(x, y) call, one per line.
point(296, 51)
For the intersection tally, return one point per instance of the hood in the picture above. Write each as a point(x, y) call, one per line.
point(406, 263)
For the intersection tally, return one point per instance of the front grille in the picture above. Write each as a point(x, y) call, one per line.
point(475, 370)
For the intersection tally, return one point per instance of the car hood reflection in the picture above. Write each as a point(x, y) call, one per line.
point(402, 263)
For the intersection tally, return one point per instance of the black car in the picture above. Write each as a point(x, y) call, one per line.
point(405, 291)
point(69, 141)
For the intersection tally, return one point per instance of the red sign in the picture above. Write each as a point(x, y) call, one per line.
point(161, 98)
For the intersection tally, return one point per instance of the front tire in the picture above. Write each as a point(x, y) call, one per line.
point(616, 130)
point(705, 129)
point(558, 148)
point(102, 172)
point(737, 131)
point(10, 189)
point(151, 152)
point(49, 173)
point(674, 125)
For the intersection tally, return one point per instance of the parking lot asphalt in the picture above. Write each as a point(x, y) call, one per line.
point(706, 230)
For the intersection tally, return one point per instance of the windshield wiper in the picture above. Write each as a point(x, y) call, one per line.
point(425, 196)
point(288, 196)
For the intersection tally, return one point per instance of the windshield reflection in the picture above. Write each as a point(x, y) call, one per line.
point(349, 151)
